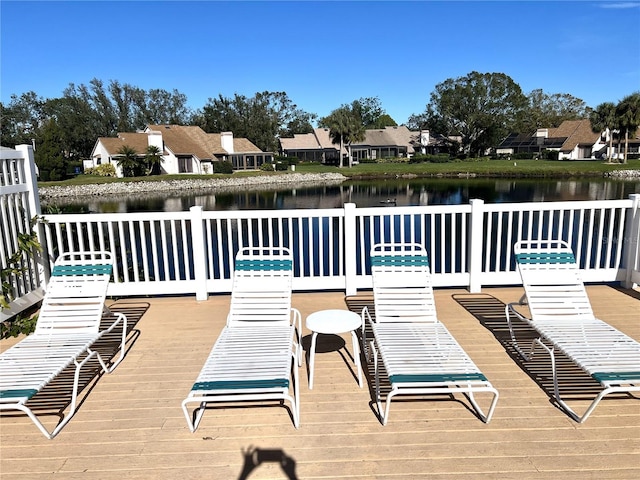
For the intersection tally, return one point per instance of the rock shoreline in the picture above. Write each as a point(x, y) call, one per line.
point(216, 184)
point(624, 174)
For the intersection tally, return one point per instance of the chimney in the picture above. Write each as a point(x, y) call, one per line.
point(155, 139)
point(424, 138)
point(226, 139)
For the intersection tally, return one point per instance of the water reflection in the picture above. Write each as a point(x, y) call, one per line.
point(399, 192)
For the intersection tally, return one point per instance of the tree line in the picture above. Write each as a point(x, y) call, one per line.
point(479, 108)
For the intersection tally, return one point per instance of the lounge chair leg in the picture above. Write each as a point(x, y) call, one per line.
point(485, 418)
point(556, 387)
point(356, 357)
point(383, 416)
point(295, 404)
point(365, 315)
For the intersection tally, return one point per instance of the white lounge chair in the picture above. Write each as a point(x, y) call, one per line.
point(560, 312)
point(254, 357)
point(67, 328)
point(418, 352)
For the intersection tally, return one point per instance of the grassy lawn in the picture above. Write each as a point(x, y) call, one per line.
point(485, 168)
point(488, 168)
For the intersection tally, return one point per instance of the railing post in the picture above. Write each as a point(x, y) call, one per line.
point(631, 239)
point(476, 241)
point(350, 257)
point(199, 257)
point(32, 178)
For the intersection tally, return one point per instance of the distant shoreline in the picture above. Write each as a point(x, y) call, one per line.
point(271, 181)
point(189, 184)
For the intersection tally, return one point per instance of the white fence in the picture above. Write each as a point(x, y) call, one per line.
point(469, 245)
point(19, 203)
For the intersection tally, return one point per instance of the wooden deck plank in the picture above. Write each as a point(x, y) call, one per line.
point(130, 424)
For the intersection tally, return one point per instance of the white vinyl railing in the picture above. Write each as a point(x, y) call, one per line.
point(469, 245)
point(192, 252)
point(19, 203)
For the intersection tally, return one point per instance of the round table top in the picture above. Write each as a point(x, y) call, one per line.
point(333, 321)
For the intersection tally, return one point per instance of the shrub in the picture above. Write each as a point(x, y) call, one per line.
point(18, 325)
point(435, 158)
point(439, 158)
point(104, 170)
point(266, 167)
point(281, 166)
point(222, 167)
point(286, 160)
point(549, 154)
point(419, 158)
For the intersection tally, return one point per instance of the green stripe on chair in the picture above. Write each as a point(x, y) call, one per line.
point(242, 384)
point(26, 392)
point(399, 261)
point(64, 270)
point(264, 264)
point(444, 377)
point(616, 376)
point(547, 257)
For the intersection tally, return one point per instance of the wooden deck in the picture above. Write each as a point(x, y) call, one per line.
point(130, 424)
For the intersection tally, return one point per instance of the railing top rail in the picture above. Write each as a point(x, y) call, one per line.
point(244, 214)
point(10, 154)
point(411, 209)
point(567, 205)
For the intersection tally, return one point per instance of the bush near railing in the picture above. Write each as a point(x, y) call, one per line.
point(21, 323)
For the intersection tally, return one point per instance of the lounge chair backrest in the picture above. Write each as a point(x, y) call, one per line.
point(262, 282)
point(76, 292)
point(551, 280)
point(402, 286)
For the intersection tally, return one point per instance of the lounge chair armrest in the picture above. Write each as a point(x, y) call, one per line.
point(297, 321)
point(510, 309)
point(121, 318)
point(366, 316)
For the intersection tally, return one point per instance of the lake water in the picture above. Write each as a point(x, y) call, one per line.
point(399, 192)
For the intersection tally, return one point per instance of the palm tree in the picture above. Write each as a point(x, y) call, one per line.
point(602, 119)
point(345, 127)
point(153, 159)
point(128, 161)
point(628, 113)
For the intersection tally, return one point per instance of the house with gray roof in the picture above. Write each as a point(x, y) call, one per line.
point(184, 149)
point(388, 142)
point(573, 140)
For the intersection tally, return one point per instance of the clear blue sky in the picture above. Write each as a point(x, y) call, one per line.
point(322, 54)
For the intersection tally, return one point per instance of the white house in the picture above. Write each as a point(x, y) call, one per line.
point(184, 149)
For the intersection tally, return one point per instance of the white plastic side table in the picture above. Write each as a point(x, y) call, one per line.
point(334, 322)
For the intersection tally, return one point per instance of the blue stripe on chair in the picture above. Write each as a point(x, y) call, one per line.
point(445, 377)
point(25, 392)
point(546, 257)
point(616, 376)
point(399, 261)
point(63, 270)
point(241, 384)
point(243, 264)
